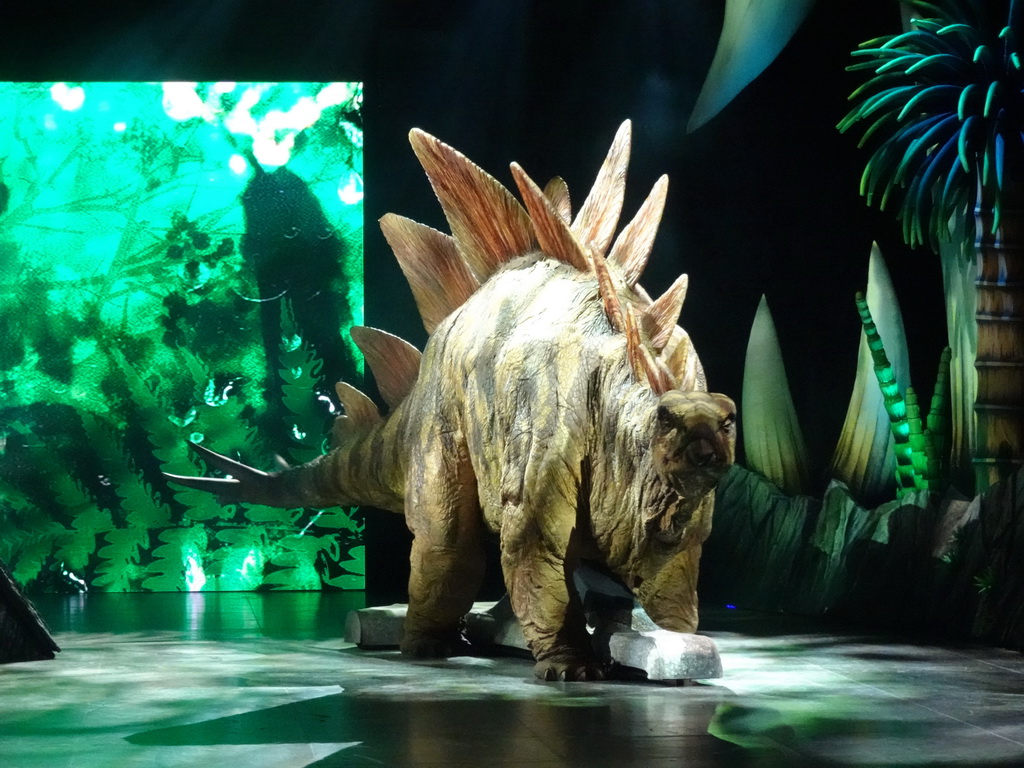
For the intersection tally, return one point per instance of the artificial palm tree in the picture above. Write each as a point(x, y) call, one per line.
point(945, 109)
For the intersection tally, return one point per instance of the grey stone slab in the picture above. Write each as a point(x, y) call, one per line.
point(377, 627)
point(487, 624)
point(494, 624)
point(640, 645)
point(666, 655)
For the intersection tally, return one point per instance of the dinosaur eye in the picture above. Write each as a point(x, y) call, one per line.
point(664, 416)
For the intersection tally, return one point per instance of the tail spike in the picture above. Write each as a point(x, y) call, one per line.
point(553, 233)
point(599, 215)
point(395, 362)
point(633, 246)
point(359, 409)
point(490, 227)
point(557, 191)
point(661, 317)
point(609, 293)
point(440, 281)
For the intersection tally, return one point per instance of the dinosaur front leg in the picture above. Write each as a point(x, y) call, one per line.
point(447, 562)
point(538, 575)
point(668, 590)
point(670, 596)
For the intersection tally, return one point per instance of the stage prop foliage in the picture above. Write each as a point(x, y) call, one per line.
point(943, 108)
point(890, 443)
point(753, 33)
point(930, 559)
point(178, 262)
point(924, 563)
point(555, 405)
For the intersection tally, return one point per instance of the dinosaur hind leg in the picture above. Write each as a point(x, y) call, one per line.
point(537, 561)
point(447, 562)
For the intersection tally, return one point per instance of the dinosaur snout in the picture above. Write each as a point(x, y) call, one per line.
point(704, 446)
point(701, 452)
point(693, 440)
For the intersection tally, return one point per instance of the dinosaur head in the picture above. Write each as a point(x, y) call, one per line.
point(694, 440)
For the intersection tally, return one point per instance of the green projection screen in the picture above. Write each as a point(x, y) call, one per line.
point(178, 261)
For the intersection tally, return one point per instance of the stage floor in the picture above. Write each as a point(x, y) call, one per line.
point(264, 680)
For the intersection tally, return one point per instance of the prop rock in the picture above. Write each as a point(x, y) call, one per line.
point(665, 655)
point(660, 654)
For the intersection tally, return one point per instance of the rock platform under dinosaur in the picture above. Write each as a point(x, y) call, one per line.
point(491, 626)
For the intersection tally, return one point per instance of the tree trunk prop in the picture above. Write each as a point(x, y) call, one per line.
point(999, 408)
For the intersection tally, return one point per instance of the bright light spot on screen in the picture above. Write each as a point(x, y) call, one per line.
point(248, 564)
point(335, 93)
point(181, 102)
point(120, 127)
point(74, 579)
point(350, 189)
point(195, 579)
point(237, 164)
point(69, 98)
point(273, 134)
point(271, 153)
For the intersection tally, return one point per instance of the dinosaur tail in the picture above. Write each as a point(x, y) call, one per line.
point(366, 462)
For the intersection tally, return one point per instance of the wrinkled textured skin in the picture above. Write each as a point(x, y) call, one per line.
point(526, 422)
point(555, 406)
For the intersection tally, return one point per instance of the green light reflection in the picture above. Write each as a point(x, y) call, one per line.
point(149, 238)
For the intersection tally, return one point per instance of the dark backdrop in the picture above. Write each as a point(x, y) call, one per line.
point(763, 199)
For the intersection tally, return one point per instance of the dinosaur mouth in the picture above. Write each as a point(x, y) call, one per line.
point(701, 452)
point(698, 467)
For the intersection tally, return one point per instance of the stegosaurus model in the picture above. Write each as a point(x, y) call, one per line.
point(555, 404)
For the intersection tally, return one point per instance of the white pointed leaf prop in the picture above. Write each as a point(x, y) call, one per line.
point(772, 440)
point(864, 457)
point(753, 34)
point(958, 276)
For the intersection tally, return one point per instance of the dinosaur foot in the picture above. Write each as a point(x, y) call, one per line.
point(438, 645)
point(569, 669)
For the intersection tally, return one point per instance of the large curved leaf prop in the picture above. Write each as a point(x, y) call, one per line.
point(753, 34)
point(864, 458)
point(772, 440)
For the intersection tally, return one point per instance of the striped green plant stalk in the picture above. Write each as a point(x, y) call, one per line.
point(937, 424)
point(895, 406)
point(920, 441)
point(863, 458)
